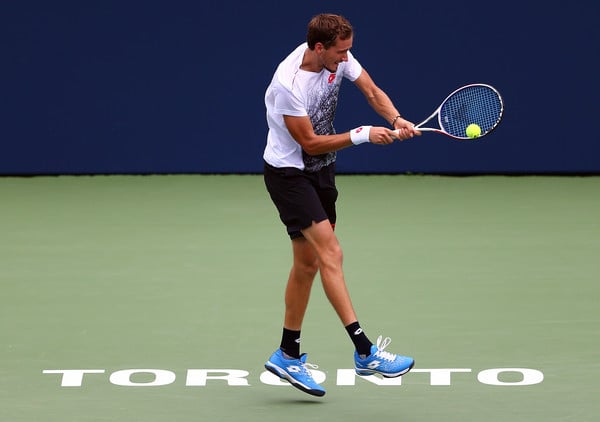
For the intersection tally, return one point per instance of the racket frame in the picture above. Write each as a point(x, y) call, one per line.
point(439, 117)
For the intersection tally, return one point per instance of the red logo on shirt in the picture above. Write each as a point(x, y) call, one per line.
point(331, 78)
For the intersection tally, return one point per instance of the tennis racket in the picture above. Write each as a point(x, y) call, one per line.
point(478, 104)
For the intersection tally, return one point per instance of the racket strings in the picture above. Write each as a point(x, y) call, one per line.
point(477, 104)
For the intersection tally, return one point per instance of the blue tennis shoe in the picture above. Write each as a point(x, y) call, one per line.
point(295, 371)
point(381, 362)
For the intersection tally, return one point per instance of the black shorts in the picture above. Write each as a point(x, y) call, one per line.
point(302, 198)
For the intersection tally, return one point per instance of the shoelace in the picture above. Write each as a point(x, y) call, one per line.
point(382, 345)
point(306, 366)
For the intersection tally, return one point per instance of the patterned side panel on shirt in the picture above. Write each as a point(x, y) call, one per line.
point(322, 106)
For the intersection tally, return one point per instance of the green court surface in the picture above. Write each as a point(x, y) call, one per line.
point(159, 298)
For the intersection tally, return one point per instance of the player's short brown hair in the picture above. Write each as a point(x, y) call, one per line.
point(326, 28)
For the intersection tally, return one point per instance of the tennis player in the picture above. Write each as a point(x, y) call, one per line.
point(299, 174)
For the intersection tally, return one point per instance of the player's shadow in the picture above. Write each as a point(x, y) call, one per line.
point(298, 402)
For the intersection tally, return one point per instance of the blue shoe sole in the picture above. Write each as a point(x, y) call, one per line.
point(365, 372)
point(282, 375)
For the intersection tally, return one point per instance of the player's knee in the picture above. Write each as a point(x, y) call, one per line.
point(308, 268)
point(333, 255)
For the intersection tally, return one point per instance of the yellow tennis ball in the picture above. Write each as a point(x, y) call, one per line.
point(473, 130)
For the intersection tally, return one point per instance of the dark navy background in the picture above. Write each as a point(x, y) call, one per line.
point(97, 87)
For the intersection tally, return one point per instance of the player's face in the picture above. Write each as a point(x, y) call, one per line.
point(337, 53)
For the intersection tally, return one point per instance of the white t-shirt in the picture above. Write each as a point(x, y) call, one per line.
point(296, 92)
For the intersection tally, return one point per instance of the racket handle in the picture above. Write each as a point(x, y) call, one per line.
point(424, 129)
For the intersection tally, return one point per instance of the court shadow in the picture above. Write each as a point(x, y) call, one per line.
point(297, 401)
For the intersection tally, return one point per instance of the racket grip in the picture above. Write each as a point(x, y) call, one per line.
point(397, 131)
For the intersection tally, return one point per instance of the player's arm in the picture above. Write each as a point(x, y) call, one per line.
point(302, 131)
point(381, 103)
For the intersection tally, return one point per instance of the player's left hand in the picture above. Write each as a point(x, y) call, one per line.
point(382, 135)
point(405, 129)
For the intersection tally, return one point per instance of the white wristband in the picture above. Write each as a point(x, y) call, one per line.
point(360, 135)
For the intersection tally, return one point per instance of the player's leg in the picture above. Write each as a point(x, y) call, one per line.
point(327, 248)
point(297, 203)
point(300, 281)
point(297, 294)
point(369, 358)
point(287, 362)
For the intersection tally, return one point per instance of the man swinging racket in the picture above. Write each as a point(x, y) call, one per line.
point(299, 175)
